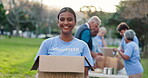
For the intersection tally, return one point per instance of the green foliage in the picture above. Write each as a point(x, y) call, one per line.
point(2, 14)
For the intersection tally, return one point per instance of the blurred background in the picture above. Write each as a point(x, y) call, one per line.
point(27, 22)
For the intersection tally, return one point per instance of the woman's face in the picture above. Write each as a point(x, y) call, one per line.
point(103, 33)
point(122, 32)
point(66, 22)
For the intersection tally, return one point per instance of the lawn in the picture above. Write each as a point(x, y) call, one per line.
point(17, 55)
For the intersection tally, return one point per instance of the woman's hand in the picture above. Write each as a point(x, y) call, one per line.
point(99, 58)
point(115, 49)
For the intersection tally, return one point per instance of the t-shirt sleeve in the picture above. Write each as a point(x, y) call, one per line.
point(136, 40)
point(122, 44)
point(42, 50)
point(86, 53)
point(128, 51)
point(86, 36)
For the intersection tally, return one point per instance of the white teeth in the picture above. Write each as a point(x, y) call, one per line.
point(65, 27)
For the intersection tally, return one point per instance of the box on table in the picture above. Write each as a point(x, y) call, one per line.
point(111, 62)
point(107, 51)
point(59, 66)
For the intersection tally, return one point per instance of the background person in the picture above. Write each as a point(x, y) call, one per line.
point(84, 32)
point(122, 28)
point(131, 56)
point(100, 36)
point(95, 47)
point(65, 44)
point(1, 31)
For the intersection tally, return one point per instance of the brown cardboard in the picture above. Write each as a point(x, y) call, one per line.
point(107, 51)
point(59, 75)
point(59, 66)
point(101, 63)
point(111, 62)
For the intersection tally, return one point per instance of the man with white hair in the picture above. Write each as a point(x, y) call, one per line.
point(84, 32)
point(131, 56)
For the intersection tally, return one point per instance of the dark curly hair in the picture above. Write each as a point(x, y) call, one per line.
point(122, 26)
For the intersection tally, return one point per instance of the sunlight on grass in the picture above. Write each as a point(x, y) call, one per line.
point(17, 56)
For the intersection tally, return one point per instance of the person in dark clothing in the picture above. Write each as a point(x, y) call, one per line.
point(1, 31)
point(84, 32)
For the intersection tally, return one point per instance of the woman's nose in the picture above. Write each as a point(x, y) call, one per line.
point(65, 22)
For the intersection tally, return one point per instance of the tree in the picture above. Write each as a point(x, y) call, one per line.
point(30, 15)
point(2, 14)
point(135, 15)
point(17, 10)
point(136, 11)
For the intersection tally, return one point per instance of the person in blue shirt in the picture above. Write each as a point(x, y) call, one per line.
point(100, 36)
point(95, 47)
point(121, 28)
point(131, 56)
point(84, 32)
point(66, 44)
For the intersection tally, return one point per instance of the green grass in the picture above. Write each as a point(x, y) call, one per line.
point(145, 66)
point(17, 57)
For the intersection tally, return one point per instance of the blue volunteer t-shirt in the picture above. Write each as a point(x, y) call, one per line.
point(123, 43)
point(100, 41)
point(133, 65)
point(56, 46)
point(95, 47)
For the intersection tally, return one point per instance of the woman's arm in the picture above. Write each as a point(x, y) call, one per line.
point(125, 57)
point(86, 72)
point(103, 42)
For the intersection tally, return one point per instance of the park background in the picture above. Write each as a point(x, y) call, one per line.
point(26, 23)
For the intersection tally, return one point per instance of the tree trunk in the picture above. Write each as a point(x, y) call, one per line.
point(145, 46)
point(17, 31)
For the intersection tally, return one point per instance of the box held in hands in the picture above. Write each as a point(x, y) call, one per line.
point(59, 66)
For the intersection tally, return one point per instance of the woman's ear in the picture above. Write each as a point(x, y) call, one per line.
point(57, 21)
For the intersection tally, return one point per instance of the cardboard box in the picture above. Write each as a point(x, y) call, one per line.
point(59, 66)
point(107, 51)
point(109, 59)
point(111, 62)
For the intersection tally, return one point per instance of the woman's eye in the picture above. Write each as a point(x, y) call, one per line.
point(70, 19)
point(62, 19)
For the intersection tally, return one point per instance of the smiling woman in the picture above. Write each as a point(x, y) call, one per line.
point(65, 44)
point(66, 22)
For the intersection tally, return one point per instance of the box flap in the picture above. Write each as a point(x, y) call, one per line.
point(107, 51)
point(92, 69)
point(36, 64)
point(61, 63)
